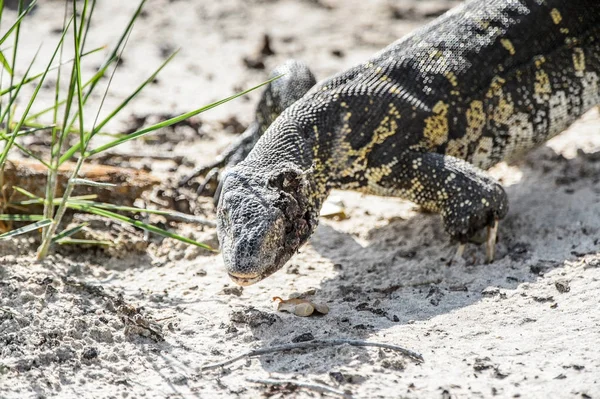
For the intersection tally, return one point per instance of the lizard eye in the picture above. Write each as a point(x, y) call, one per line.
point(286, 180)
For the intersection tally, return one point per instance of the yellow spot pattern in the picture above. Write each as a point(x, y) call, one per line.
point(556, 17)
point(539, 61)
point(319, 167)
point(452, 78)
point(436, 125)
point(542, 83)
point(495, 87)
point(507, 44)
point(374, 175)
point(579, 59)
point(483, 151)
point(387, 128)
point(476, 116)
point(504, 110)
point(476, 119)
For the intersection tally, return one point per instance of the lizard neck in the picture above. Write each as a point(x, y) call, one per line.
point(292, 141)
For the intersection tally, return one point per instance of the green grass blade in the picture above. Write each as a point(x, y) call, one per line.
point(11, 140)
point(74, 87)
point(69, 232)
point(141, 225)
point(86, 182)
point(7, 112)
point(88, 25)
point(17, 23)
point(56, 201)
point(71, 151)
point(1, 11)
point(77, 35)
point(97, 76)
point(21, 218)
point(112, 207)
point(122, 208)
point(27, 193)
point(24, 150)
point(34, 77)
point(17, 27)
point(26, 202)
point(51, 181)
point(112, 58)
point(2, 71)
point(26, 229)
point(74, 241)
point(173, 215)
point(5, 135)
point(113, 55)
point(5, 64)
point(173, 121)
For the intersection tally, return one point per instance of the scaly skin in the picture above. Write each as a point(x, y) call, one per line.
point(278, 95)
point(422, 120)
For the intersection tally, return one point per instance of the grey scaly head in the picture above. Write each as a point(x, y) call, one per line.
point(268, 209)
point(263, 219)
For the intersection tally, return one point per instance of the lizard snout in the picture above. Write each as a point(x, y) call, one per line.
point(251, 234)
point(256, 254)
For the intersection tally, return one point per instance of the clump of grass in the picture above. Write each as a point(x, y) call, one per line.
point(68, 119)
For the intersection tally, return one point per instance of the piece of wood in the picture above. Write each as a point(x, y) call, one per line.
point(32, 176)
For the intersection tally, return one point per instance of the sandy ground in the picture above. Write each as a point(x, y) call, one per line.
point(141, 319)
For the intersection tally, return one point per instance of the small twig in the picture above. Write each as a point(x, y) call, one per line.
point(313, 387)
point(314, 344)
point(183, 217)
point(10, 311)
point(164, 318)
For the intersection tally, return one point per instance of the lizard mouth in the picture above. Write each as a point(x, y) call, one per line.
point(245, 279)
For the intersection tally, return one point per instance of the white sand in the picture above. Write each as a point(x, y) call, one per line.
point(502, 329)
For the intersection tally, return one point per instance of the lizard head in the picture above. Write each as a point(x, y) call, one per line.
point(262, 220)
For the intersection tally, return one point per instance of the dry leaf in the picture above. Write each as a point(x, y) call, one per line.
point(304, 309)
point(300, 307)
point(323, 309)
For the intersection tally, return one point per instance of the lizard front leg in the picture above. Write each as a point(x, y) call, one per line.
point(466, 197)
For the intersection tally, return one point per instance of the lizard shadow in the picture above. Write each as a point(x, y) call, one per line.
point(410, 257)
point(402, 275)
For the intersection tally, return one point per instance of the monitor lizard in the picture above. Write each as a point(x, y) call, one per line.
point(422, 120)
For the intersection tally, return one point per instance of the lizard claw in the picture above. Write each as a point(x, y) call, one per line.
point(458, 255)
point(212, 174)
point(201, 170)
point(490, 244)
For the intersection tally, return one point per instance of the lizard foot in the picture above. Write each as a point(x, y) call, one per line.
point(201, 170)
point(490, 245)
